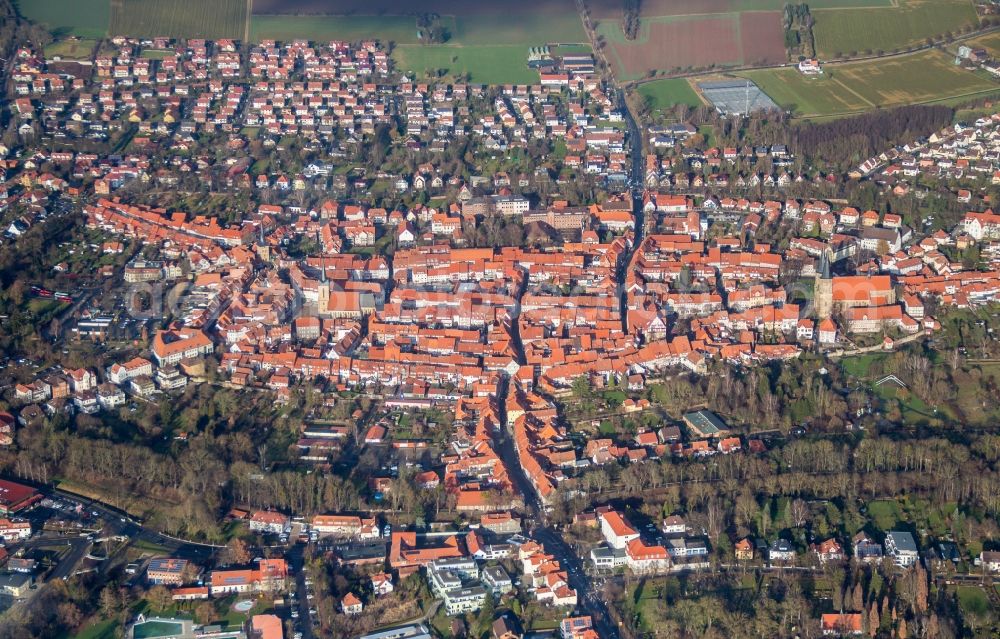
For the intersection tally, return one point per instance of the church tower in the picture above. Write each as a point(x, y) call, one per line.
point(823, 288)
point(263, 250)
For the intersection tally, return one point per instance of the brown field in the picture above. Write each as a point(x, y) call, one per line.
point(681, 44)
point(762, 38)
point(701, 41)
point(396, 7)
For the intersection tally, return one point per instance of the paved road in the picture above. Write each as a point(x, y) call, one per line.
point(120, 523)
point(296, 563)
point(588, 600)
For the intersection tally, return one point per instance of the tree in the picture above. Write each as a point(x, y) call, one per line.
point(159, 597)
point(485, 618)
point(204, 613)
point(69, 615)
point(237, 552)
point(110, 602)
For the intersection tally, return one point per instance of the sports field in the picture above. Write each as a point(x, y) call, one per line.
point(664, 94)
point(485, 64)
point(671, 43)
point(83, 18)
point(211, 19)
point(71, 49)
point(925, 77)
point(847, 31)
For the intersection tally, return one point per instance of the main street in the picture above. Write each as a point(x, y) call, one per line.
point(589, 601)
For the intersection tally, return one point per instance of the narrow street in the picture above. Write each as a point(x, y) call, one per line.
point(636, 180)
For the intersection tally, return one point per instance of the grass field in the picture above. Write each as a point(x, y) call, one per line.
point(83, 18)
point(666, 93)
point(848, 31)
point(179, 18)
point(928, 76)
point(485, 64)
point(71, 49)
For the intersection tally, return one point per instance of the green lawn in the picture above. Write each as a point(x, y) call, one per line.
point(664, 94)
point(156, 54)
point(848, 31)
point(485, 64)
point(884, 514)
point(973, 600)
point(99, 630)
point(925, 77)
point(83, 18)
point(859, 365)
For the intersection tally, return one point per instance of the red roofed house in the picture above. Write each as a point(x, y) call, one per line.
point(617, 532)
point(842, 624)
point(268, 521)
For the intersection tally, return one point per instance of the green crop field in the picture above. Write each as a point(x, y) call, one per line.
point(83, 18)
point(658, 8)
point(521, 28)
point(398, 29)
point(180, 18)
point(485, 64)
point(847, 31)
point(663, 94)
point(925, 77)
point(465, 30)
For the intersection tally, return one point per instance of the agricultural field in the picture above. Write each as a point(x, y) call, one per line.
point(484, 64)
point(695, 41)
point(527, 29)
point(81, 18)
point(390, 7)
point(180, 18)
point(925, 77)
point(71, 49)
point(654, 8)
point(846, 31)
point(484, 42)
point(397, 29)
point(663, 94)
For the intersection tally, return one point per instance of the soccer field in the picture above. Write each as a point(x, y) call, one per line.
point(924, 77)
point(847, 31)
